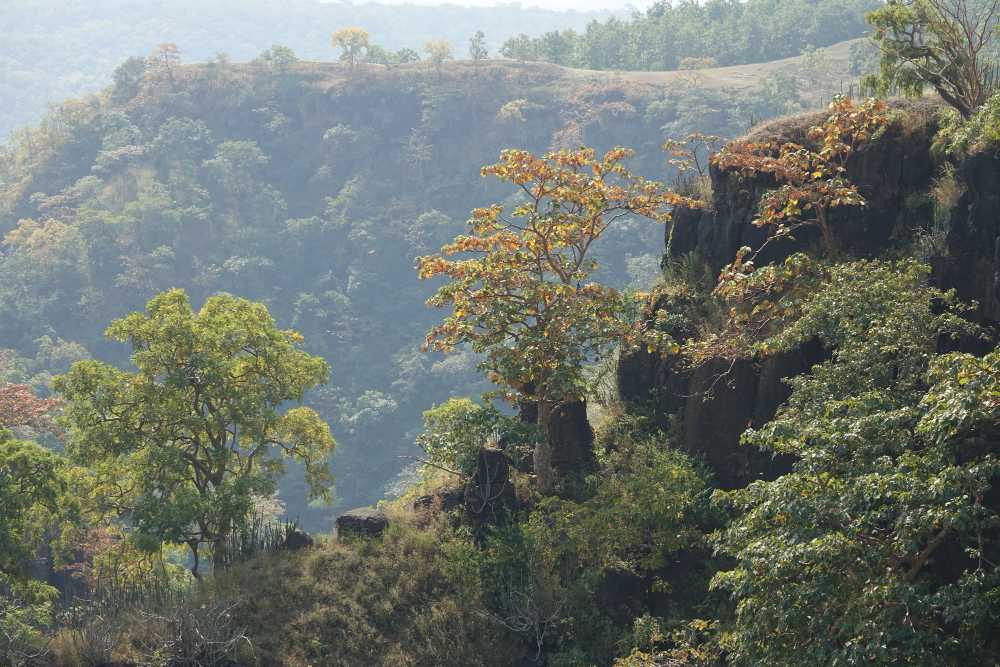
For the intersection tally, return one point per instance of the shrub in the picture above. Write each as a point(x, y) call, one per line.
point(455, 431)
point(960, 137)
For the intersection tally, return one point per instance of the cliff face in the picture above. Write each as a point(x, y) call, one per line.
point(895, 174)
point(972, 264)
point(888, 172)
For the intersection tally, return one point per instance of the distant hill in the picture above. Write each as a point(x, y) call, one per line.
point(54, 49)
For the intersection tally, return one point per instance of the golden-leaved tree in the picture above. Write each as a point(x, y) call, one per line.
point(519, 288)
point(810, 183)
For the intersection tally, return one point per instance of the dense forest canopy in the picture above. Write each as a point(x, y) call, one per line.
point(689, 34)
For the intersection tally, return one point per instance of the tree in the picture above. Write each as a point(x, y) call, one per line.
point(811, 183)
point(477, 47)
point(279, 59)
point(182, 445)
point(438, 51)
point(944, 44)
point(381, 56)
point(520, 47)
point(165, 60)
point(880, 547)
point(33, 496)
point(353, 42)
point(521, 295)
point(19, 406)
point(128, 78)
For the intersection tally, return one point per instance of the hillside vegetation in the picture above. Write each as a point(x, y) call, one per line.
point(691, 35)
point(625, 377)
point(56, 49)
point(313, 189)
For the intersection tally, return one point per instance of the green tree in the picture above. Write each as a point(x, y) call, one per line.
point(353, 42)
point(382, 56)
point(521, 48)
point(279, 59)
point(477, 47)
point(880, 547)
point(182, 445)
point(128, 78)
point(455, 431)
point(944, 44)
point(34, 496)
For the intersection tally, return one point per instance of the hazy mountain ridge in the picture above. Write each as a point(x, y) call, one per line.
point(54, 50)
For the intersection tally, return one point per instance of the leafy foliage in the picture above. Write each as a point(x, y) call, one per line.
point(35, 502)
point(879, 546)
point(960, 137)
point(19, 406)
point(944, 44)
point(455, 431)
point(550, 577)
point(810, 183)
point(522, 298)
point(353, 42)
point(728, 32)
point(182, 445)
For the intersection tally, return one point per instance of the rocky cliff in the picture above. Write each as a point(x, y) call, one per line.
point(897, 175)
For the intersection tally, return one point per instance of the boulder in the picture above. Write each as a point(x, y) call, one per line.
point(362, 522)
point(443, 500)
point(297, 539)
point(489, 495)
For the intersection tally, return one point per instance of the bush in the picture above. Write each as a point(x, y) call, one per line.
point(959, 137)
point(455, 431)
point(548, 578)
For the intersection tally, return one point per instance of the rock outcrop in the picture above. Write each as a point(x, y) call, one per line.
point(895, 174)
point(297, 540)
point(888, 173)
point(567, 452)
point(489, 495)
point(362, 522)
point(972, 265)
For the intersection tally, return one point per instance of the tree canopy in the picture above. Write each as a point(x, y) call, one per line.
point(880, 545)
point(944, 44)
point(182, 445)
point(519, 291)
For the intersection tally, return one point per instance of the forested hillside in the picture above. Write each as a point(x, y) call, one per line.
point(694, 35)
point(313, 188)
point(55, 49)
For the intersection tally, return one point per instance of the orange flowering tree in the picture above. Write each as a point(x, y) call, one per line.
point(20, 407)
point(810, 183)
point(518, 283)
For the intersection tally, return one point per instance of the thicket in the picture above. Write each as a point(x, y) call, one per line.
point(691, 34)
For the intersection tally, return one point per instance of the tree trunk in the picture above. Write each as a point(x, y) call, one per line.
point(219, 552)
point(567, 449)
point(193, 545)
point(527, 407)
